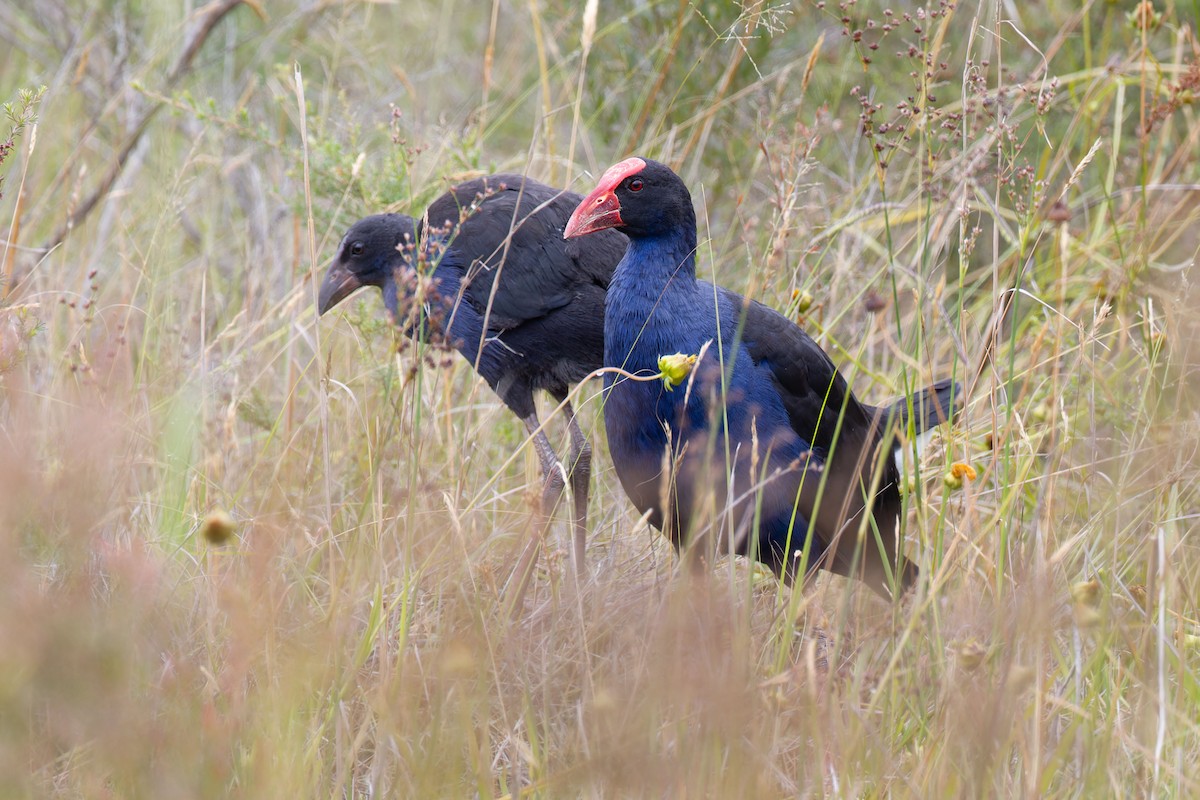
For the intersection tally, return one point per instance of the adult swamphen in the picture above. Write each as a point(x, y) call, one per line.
point(801, 460)
point(524, 306)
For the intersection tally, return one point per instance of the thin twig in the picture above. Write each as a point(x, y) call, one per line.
point(183, 65)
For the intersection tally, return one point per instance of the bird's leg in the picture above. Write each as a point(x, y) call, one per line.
point(553, 483)
point(581, 474)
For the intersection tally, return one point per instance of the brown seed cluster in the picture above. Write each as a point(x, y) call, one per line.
point(892, 132)
point(422, 312)
point(1179, 94)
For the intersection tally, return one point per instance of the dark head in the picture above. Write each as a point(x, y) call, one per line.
point(367, 256)
point(642, 198)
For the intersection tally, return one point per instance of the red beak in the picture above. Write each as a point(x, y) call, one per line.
point(598, 211)
point(601, 209)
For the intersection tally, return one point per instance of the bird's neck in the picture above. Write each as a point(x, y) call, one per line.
point(652, 300)
point(657, 265)
point(440, 315)
point(390, 299)
point(663, 257)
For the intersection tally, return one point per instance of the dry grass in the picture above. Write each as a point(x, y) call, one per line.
point(1033, 233)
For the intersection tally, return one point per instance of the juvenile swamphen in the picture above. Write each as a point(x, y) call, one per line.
point(524, 306)
point(789, 420)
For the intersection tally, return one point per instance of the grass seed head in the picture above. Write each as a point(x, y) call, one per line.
point(1086, 593)
point(218, 527)
point(1144, 17)
point(970, 654)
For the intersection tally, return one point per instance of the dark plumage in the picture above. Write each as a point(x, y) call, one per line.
point(519, 302)
point(789, 421)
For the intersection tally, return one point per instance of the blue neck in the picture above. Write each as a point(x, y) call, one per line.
point(657, 259)
point(653, 301)
point(656, 266)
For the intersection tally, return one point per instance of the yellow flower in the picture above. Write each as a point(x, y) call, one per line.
point(958, 472)
point(674, 369)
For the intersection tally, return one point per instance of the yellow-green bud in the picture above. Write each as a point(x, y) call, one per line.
point(674, 369)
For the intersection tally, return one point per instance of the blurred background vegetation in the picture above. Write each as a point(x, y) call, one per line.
point(997, 191)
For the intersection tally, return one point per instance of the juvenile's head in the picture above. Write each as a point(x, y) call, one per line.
point(368, 256)
point(641, 197)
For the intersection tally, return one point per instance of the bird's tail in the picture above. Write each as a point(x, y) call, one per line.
point(929, 408)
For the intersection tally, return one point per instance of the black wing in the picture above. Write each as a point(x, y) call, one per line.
point(510, 227)
point(813, 391)
point(819, 405)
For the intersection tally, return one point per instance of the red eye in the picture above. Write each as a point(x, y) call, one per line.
point(635, 184)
